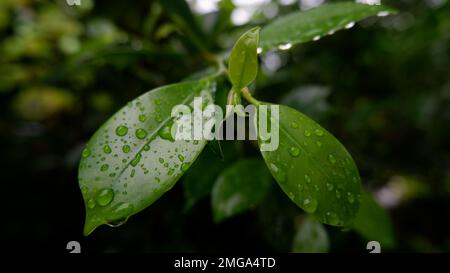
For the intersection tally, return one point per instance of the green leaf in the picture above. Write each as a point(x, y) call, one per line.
point(243, 61)
point(373, 223)
point(304, 26)
point(239, 188)
point(132, 159)
point(313, 168)
point(311, 237)
point(197, 182)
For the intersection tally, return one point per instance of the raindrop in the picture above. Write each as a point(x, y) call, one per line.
point(121, 130)
point(165, 133)
point(184, 167)
point(330, 186)
point(285, 46)
point(332, 218)
point(294, 151)
point(86, 152)
point(294, 125)
point(107, 149)
point(316, 38)
point(120, 214)
point(332, 159)
point(132, 173)
point(141, 133)
point(350, 25)
point(146, 147)
point(331, 32)
point(135, 160)
point(181, 158)
point(161, 160)
point(105, 197)
point(142, 118)
point(338, 194)
point(104, 167)
point(126, 148)
point(307, 133)
point(291, 195)
point(319, 144)
point(307, 178)
point(279, 175)
point(318, 132)
point(310, 205)
point(91, 203)
point(350, 197)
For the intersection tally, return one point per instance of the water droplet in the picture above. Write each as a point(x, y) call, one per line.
point(300, 186)
point(318, 132)
point(181, 158)
point(120, 213)
point(307, 133)
point(310, 205)
point(294, 125)
point(141, 133)
point(307, 179)
point(107, 149)
point(319, 144)
point(132, 173)
point(91, 203)
point(383, 13)
point(332, 218)
point(259, 50)
point(291, 195)
point(350, 197)
point(316, 187)
point(330, 186)
point(332, 159)
point(86, 152)
point(331, 32)
point(121, 130)
point(158, 118)
point(350, 25)
point(184, 167)
point(105, 197)
point(338, 194)
point(279, 175)
point(316, 38)
point(104, 167)
point(135, 160)
point(355, 179)
point(84, 190)
point(294, 151)
point(126, 148)
point(285, 46)
point(146, 147)
point(165, 133)
point(142, 118)
point(195, 142)
point(161, 160)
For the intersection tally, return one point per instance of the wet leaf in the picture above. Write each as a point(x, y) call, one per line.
point(313, 168)
point(133, 159)
point(373, 222)
point(311, 237)
point(239, 188)
point(304, 26)
point(243, 61)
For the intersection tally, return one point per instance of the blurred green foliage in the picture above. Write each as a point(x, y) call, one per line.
point(382, 88)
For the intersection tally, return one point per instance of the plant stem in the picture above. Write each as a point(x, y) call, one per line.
point(246, 94)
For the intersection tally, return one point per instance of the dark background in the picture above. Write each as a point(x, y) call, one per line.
point(382, 88)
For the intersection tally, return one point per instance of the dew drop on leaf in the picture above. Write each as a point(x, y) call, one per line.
point(294, 125)
point(332, 218)
point(165, 133)
point(121, 130)
point(86, 152)
point(294, 151)
point(332, 159)
point(104, 167)
point(350, 25)
point(126, 148)
point(310, 205)
point(104, 197)
point(107, 149)
point(140, 133)
point(330, 186)
point(318, 132)
point(350, 197)
point(91, 203)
